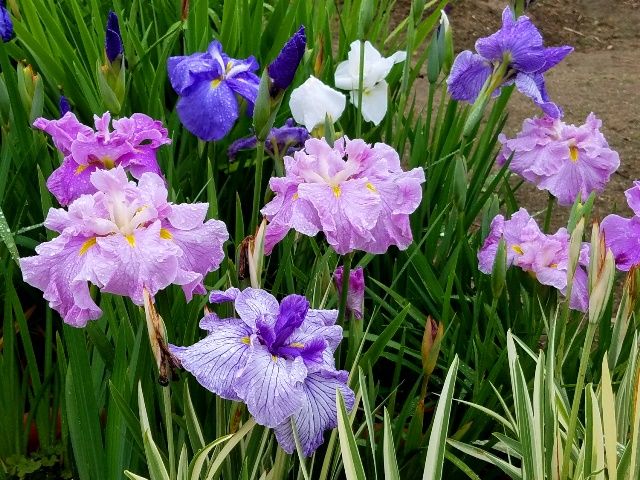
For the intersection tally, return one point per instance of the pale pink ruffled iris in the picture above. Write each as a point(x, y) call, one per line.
point(124, 238)
point(356, 194)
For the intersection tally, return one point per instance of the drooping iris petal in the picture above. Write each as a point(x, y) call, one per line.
point(270, 386)
point(469, 73)
point(318, 412)
point(55, 270)
point(216, 359)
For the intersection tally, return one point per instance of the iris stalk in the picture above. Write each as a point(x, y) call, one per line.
point(257, 184)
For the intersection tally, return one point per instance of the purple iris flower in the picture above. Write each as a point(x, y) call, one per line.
point(6, 25)
point(283, 68)
point(113, 40)
point(520, 45)
point(281, 141)
point(207, 84)
point(64, 106)
point(567, 160)
point(131, 144)
point(124, 238)
point(546, 257)
point(622, 235)
point(275, 357)
point(355, 293)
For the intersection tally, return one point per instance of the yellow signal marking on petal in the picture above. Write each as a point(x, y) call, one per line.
point(245, 340)
point(274, 358)
point(553, 265)
point(228, 67)
point(337, 191)
point(87, 245)
point(166, 234)
point(371, 187)
point(215, 82)
point(80, 169)
point(132, 240)
point(517, 249)
point(297, 345)
point(108, 162)
point(573, 153)
point(296, 196)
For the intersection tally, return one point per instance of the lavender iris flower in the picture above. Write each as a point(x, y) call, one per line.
point(622, 235)
point(283, 68)
point(275, 357)
point(125, 238)
point(113, 40)
point(207, 84)
point(283, 140)
point(6, 25)
point(64, 106)
point(567, 160)
point(546, 257)
point(520, 45)
point(131, 144)
point(356, 194)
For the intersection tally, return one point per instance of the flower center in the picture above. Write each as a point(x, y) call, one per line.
point(517, 249)
point(573, 153)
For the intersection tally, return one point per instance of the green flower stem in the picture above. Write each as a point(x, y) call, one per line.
point(346, 271)
point(360, 91)
point(577, 395)
point(547, 217)
point(166, 400)
point(257, 190)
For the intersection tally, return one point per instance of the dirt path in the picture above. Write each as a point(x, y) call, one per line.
point(602, 75)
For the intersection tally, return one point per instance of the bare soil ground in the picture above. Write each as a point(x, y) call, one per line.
point(602, 75)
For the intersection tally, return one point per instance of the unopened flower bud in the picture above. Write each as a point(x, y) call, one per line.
point(499, 272)
point(355, 293)
point(431, 340)
point(31, 91)
point(460, 182)
point(283, 68)
point(601, 274)
point(64, 106)
point(111, 74)
point(445, 43)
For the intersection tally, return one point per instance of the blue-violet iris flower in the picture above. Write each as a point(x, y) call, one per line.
point(275, 357)
point(519, 44)
point(64, 106)
point(207, 83)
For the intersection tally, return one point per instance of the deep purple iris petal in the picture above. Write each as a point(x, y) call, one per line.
point(293, 310)
point(468, 75)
